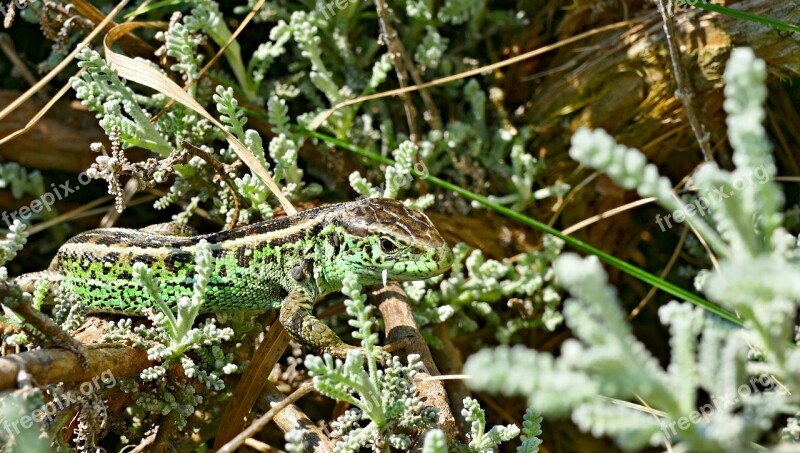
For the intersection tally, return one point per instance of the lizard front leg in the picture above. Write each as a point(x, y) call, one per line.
point(297, 319)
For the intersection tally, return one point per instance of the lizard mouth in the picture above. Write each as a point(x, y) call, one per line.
point(442, 259)
point(421, 268)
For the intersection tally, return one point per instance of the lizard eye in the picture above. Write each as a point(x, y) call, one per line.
point(387, 245)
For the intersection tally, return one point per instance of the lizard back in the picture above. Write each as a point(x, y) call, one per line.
point(249, 265)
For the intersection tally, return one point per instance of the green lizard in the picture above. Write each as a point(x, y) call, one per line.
point(285, 263)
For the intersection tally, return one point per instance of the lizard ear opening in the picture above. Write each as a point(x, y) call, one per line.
point(336, 242)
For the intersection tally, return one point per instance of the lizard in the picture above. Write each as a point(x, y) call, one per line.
point(285, 264)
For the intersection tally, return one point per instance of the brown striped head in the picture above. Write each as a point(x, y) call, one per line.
point(382, 235)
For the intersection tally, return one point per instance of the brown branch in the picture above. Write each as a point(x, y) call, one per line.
point(396, 51)
point(400, 326)
point(292, 418)
point(684, 92)
point(449, 359)
point(166, 430)
point(51, 366)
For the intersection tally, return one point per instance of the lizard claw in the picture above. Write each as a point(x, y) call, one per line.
point(384, 357)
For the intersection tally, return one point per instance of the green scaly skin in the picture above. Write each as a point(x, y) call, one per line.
point(286, 263)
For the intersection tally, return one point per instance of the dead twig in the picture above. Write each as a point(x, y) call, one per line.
point(222, 173)
point(262, 421)
point(684, 91)
point(396, 51)
point(7, 46)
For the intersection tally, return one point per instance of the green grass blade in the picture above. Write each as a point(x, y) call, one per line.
point(735, 13)
point(573, 242)
point(152, 6)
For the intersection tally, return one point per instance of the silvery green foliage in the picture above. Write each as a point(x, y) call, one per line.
point(531, 430)
point(749, 219)
point(122, 110)
point(182, 46)
point(379, 73)
point(385, 398)
point(164, 398)
point(396, 177)
point(125, 117)
point(435, 442)
point(606, 364)
point(523, 171)
point(475, 284)
point(232, 116)
point(15, 239)
point(459, 11)
point(751, 373)
point(480, 440)
point(332, 59)
point(171, 336)
point(267, 52)
point(17, 437)
point(20, 181)
point(295, 442)
point(629, 168)
point(206, 17)
point(745, 209)
point(430, 51)
point(745, 217)
point(12, 244)
point(282, 149)
point(116, 105)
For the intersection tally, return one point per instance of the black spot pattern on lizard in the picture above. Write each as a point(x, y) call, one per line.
point(148, 260)
point(177, 260)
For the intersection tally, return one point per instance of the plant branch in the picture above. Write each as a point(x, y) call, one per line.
point(684, 91)
point(400, 326)
point(396, 51)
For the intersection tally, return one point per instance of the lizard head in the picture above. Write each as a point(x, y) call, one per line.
point(382, 236)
